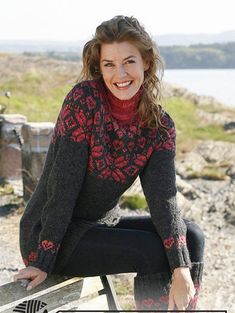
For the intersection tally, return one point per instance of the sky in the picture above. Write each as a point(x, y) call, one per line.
point(73, 20)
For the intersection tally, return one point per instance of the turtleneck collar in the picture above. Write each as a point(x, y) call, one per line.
point(123, 110)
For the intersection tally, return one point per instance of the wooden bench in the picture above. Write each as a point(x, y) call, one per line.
point(58, 293)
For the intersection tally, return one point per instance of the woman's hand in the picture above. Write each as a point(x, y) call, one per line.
point(182, 289)
point(32, 273)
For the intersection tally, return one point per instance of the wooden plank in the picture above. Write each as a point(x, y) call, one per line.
point(59, 291)
point(91, 285)
point(53, 299)
point(14, 293)
point(16, 290)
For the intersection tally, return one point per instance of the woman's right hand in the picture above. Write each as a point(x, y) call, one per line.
point(35, 275)
point(182, 289)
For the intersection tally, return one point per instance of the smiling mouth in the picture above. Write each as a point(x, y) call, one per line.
point(124, 84)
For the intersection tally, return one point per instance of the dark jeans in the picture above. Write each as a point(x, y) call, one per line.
point(133, 245)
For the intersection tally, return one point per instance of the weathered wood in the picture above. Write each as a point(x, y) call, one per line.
point(58, 291)
point(91, 285)
point(13, 291)
point(53, 299)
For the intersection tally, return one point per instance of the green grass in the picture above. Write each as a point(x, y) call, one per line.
point(189, 125)
point(34, 98)
point(32, 101)
point(210, 174)
point(133, 202)
point(6, 189)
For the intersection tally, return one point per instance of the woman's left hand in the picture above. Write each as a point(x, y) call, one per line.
point(182, 289)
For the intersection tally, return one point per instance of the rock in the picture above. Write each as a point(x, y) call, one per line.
point(229, 126)
point(193, 162)
point(231, 172)
point(171, 90)
point(186, 189)
point(217, 151)
point(210, 159)
point(226, 119)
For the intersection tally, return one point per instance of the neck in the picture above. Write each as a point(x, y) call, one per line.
point(125, 111)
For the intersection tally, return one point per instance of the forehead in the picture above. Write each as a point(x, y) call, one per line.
point(118, 50)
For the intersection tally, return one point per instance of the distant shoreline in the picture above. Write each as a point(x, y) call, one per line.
point(176, 56)
point(218, 83)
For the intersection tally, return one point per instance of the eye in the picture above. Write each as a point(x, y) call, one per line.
point(130, 61)
point(109, 64)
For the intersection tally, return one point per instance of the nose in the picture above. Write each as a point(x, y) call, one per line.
point(121, 72)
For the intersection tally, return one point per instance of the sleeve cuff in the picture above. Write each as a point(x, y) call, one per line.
point(45, 261)
point(178, 257)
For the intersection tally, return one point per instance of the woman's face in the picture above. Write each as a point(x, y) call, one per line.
point(122, 68)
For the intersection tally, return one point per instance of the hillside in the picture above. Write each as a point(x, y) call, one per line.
point(179, 50)
point(199, 56)
point(37, 84)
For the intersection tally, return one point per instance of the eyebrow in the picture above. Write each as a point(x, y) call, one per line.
point(130, 56)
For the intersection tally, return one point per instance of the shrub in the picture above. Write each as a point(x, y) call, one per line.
point(133, 202)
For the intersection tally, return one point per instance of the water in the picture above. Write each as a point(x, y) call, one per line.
point(219, 83)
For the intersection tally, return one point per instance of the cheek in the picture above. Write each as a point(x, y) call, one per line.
point(106, 76)
point(139, 73)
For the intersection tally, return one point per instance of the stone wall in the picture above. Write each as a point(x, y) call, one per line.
point(36, 138)
point(23, 148)
point(10, 144)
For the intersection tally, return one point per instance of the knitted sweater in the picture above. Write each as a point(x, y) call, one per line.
point(92, 159)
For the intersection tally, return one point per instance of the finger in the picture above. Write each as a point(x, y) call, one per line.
point(24, 282)
point(171, 303)
point(22, 275)
point(35, 282)
point(181, 307)
point(16, 275)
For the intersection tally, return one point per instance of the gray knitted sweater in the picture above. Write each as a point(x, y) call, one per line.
point(91, 161)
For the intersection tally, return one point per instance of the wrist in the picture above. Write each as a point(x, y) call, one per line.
point(180, 270)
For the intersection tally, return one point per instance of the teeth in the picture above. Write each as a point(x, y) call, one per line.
point(123, 84)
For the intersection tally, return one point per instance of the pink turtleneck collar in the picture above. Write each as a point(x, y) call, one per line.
point(123, 110)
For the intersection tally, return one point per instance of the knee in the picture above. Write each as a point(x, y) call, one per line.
point(195, 241)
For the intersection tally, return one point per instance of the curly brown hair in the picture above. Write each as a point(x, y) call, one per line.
point(119, 29)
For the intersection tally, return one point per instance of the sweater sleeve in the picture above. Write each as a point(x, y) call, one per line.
point(158, 180)
point(69, 151)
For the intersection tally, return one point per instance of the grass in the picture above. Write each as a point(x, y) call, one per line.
point(6, 189)
point(32, 98)
point(190, 128)
point(38, 86)
point(209, 174)
point(133, 202)
point(212, 171)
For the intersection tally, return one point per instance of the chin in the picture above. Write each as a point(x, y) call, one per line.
point(124, 96)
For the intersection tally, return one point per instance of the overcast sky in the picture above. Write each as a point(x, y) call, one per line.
point(77, 19)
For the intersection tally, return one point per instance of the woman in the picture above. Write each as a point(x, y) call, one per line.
point(111, 128)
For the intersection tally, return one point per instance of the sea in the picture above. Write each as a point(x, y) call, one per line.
point(219, 83)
